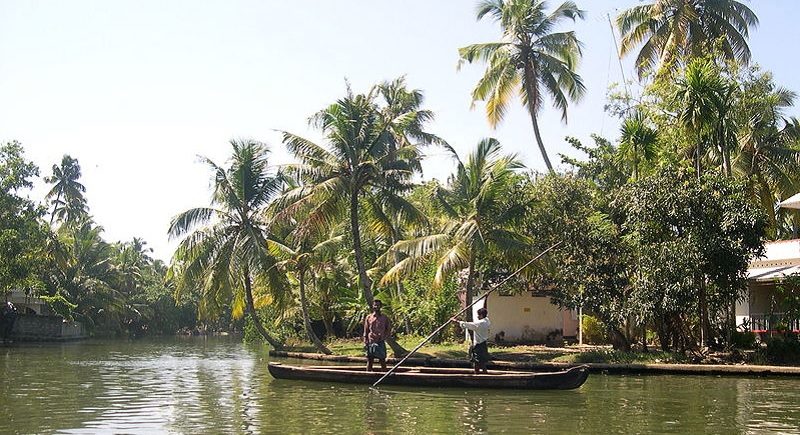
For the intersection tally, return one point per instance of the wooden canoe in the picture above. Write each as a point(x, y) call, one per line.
point(436, 377)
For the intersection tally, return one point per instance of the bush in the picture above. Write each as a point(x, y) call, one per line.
point(782, 350)
point(594, 330)
point(743, 340)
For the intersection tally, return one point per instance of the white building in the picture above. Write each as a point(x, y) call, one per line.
point(781, 259)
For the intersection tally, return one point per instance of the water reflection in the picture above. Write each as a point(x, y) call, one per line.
point(221, 386)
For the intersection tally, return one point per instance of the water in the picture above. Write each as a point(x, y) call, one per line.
point(194, 385)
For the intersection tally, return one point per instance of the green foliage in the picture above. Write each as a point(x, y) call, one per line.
point(743, 340)
point(782, 350)
point(530, 60)
point(426, 306)
point(594, 331)
point(22, 235)
point(60, 305)
point(671, 32)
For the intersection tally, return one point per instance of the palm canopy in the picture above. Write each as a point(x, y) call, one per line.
point(224, 252)
point(66, 195)
point(372, 151)
point(531, 59)
point(638, 142)
point(669, 31)
point(475, 202)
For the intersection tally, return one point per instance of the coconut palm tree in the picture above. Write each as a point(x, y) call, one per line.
point(637, 142)
point(365, 156)
point(224, 252)
point(530, 59)
point(303, 256)
point(671, 31)
point(66, 195)
point(368, 154)
point(478, 220)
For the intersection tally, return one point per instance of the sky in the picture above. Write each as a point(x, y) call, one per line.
point(137, 90)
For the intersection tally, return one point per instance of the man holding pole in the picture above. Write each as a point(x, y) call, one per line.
point(376, 328)
point(479, 351)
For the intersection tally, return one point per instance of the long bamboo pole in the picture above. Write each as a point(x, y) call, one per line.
point(432, 334)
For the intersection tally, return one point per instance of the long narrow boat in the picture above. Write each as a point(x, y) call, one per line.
point(436, 377)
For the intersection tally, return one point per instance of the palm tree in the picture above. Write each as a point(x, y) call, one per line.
point(368, 154)
point(700, 93)
point(303, 256)
point(364, 157)
point(479, 218)
point(530, 59)
point(638, 142)
point(69, 203)
point(676, 30)
point(224, 253)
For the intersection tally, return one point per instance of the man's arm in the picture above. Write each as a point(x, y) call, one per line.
point(469, 325)
point(366, 328)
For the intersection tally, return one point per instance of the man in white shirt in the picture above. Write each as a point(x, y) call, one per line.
point(479, 351)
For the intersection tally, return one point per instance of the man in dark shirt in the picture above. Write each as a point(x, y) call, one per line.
point(376, 328)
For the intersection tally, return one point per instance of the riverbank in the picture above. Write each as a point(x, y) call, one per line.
point(600, 359)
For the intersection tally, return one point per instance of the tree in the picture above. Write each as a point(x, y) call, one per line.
point(303, 256)
point(66, 195)
point(530, 59)
point(224, 252)
point(366, 155)
point(478, 220)
point(692, 241)
point(701, 94)
point(638, 142)
point(671, 31)
point(22, 237)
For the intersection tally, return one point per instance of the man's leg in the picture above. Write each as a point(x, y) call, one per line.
point(369, 364)
point(383, 363)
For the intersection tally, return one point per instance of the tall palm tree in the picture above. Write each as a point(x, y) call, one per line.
point(670, 31)
point(363, 157)
point(302, 256)
point(530, 59)
point(700, 93)
point(368, 153)
point(224, 253)
point(66, 195)
point(479, 218)
point(637, 142)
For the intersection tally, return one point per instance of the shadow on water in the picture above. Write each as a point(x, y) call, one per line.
point(220, 386)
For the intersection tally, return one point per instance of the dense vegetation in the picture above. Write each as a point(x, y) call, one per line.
point(657, 227)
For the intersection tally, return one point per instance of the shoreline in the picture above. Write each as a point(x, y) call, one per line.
point(608, 368)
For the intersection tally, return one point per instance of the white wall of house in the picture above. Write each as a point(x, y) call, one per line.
point(526, 318)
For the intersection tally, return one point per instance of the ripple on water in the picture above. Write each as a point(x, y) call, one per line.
point(216, 386)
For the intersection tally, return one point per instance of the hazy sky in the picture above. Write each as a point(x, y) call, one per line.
point(135, 90)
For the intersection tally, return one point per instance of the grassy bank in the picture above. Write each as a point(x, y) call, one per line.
point(518, 353)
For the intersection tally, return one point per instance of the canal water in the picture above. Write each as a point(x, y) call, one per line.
point(218, 385)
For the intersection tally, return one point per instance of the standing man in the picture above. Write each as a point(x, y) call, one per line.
point(479, 351)
point(376, 328)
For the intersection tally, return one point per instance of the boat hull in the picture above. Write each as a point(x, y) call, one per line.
point(436, 377)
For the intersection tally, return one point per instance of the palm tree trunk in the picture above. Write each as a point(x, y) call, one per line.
point(530, 80)
point(55, 204)
point(307, 319)
point(470, 283)
point(364, 281)
point(251, 308)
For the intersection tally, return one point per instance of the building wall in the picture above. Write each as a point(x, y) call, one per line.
point(529, 319)
point(29, 327)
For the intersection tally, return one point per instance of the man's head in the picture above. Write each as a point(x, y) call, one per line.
point(376, 306)
point(482, 313)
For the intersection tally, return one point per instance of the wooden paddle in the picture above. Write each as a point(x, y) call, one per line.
point(497, 286)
